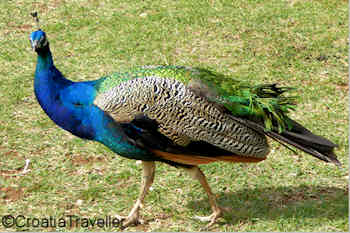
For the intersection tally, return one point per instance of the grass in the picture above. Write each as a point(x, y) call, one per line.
point(296, 43)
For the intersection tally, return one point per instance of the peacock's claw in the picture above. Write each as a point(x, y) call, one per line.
point(213, 217)
point(131, 219)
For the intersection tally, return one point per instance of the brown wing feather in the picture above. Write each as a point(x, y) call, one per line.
point(197, 160)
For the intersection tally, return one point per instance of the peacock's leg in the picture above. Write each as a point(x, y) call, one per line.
point(197, 174)
point(147, 180)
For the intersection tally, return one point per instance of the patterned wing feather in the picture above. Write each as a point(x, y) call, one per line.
point(182, 115)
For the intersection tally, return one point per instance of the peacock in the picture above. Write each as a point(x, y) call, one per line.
point(177, 115)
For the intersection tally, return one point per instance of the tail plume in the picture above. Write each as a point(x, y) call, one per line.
point(299, 137)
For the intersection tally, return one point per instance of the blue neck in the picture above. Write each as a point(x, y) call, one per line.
point(45, 61)
point(70, 105)
point(46, 74)
point(56, 95)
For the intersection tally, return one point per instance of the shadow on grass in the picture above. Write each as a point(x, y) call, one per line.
point(249, 205)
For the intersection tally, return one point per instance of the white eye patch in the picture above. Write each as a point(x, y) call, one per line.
point(43, 41)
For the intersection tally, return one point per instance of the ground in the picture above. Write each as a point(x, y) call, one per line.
point(296, 43)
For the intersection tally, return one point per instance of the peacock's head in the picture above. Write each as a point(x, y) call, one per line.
point(38, 40)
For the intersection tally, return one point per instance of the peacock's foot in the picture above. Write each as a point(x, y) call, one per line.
point(132, 219)
point(213, 217)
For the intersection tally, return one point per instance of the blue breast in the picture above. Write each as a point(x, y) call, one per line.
point(70, 106)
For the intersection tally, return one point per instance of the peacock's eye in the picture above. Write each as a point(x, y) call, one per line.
point(77, 104)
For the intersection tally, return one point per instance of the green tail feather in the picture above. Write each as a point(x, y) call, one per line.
point(265, 103)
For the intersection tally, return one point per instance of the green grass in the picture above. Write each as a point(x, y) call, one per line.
point(297, 43)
